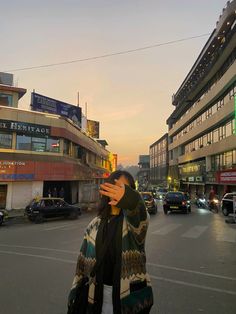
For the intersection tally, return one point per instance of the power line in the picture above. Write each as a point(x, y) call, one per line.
point(107, 55)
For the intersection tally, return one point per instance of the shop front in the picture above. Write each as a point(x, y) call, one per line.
point(192, 177)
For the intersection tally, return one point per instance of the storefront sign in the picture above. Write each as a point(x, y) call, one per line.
point(93, 128)
point(23, 127)
point(46, 104)
point(227, 176)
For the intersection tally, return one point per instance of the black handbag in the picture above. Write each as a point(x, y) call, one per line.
point(78, 296)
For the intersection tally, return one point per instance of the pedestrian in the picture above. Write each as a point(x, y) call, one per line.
point(49, 193)
point(120, 283)
point(62, 193)
point(54, 192)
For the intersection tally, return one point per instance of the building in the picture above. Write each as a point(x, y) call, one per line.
point(41, 152)
point(143, 175)
point(159, 161)
point(202, 140)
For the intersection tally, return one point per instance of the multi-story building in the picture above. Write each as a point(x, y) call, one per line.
point(143, 174)
point(41, 151)
point(202, 140)
point(159, 161)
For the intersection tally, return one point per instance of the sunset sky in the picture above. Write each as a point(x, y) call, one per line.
point(129, 94)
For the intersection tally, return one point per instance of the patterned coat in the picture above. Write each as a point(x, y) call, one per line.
point(133, 258)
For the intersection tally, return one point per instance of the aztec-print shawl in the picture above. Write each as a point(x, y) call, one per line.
point(133, 258)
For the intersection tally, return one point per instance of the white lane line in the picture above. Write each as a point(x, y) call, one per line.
point(195, 232)
point(227, 235)
point(167, 229)
point(67, 226)
point(39, 256)
point(179, 282)
point(39, 248)
point(192, 271)
point(152, 276)
point(56, 227)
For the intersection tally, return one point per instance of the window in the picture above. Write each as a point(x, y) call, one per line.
point(66, 148)
point(208, 113)
point(23, 142)
point(38, 144)
point(6, 100)
point(228, 129)
point(221, 132)
point(5, 140)
point(199, 120)
point(53, 145)
point(215, 136)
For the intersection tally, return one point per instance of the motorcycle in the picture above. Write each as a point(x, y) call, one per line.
point(201, 202)
point(214, 204)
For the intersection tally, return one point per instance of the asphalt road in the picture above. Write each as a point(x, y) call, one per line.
point(191, 260)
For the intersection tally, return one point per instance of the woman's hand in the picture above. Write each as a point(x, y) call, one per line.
point(114, 191)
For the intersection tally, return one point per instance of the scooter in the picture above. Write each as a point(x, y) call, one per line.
point(3, 216)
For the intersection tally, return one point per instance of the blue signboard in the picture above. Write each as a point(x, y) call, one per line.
point(45, 104)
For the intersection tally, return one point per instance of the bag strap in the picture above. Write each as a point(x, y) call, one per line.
point(103, 250)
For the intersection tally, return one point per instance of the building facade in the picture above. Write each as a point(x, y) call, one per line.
point(202, 140)
point(143, 175)
point(41, 153)
point(159, 161)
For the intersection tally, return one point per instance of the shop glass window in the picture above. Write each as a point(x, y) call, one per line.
point(53, 145)
point(23, 142)
point(234, 157)
point(38, 144)
point(5, 140)
point(228, 158)
point(6, 100)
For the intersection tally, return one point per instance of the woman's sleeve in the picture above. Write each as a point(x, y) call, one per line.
point(135, 212)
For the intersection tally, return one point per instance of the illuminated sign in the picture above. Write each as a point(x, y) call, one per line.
point(24, 127)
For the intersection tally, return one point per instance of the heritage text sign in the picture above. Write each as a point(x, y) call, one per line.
point(24, 127)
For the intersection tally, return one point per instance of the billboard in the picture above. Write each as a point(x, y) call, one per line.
point(93, 128)
point(46, 104)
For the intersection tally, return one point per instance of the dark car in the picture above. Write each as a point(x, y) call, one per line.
point(49, 207)
point(227, 203)
point(176, 201)
point(149, 202)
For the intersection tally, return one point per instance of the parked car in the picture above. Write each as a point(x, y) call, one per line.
point(3, 216)
point(176, 201)
point(227, 203)
point(49, 207)
point(149, 202)
point(160, 193)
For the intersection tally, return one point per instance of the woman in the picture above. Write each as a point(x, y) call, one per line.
point(121, 284)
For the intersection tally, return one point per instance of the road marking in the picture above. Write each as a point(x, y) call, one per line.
point(56, 227)
point(167, 229)
point(179, 282)
point(39, 256)
point(195, 232)
point(39, 248)
point(152, 276)
point(228, 235)
point(192, 271)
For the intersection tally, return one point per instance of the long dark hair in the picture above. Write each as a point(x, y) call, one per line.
point(104, 208)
